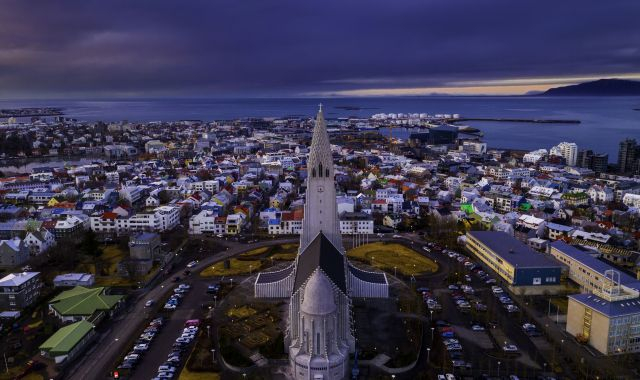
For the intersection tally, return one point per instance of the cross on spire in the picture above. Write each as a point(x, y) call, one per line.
point(320, 109)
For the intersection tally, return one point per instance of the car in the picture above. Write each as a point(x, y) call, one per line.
point(448, 342)
point(449, 376)
point(454, 347)
point(141, 347)
point(165, 375)
point(513, 377)
point(480, 307)
point(441, 377)
point(447, 334)
point(453, 287)
point(169, 306)
point(441, 323)
point(132, 357)
point(192, 264)
point(477, 328)
point(467, 278)
point(511, 308)
point(127, 365)
point(166, 368)
point(426, 249)
point(149, 303)
point(491, 281)
point(183, 340)
point(528, 326)
point(184, 286)
point(173, 359)
point(510, 348)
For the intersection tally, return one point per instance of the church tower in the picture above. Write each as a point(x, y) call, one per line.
point(320, 282)
point(320, 209)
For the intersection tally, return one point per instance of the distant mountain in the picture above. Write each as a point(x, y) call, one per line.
point(601, 87)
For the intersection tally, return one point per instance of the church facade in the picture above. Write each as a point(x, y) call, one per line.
point(321, 282)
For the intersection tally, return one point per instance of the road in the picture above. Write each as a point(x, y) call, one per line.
point(100, 361)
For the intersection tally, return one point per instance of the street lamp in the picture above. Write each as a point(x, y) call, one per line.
point(433, 328)
point(499, 369)
point(431, 316)
point(213, 355)
point(395, 271)
point(208, 331)
point(215, 301)
point(428, 354)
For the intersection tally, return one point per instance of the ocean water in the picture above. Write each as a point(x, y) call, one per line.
point(604, 120)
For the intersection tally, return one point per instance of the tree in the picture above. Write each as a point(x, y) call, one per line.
point(89, 245)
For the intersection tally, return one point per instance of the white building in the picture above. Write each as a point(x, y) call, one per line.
point(601, 194)
point(535, 156)
point(631, 200)
point(203, 222)
point(569, 151)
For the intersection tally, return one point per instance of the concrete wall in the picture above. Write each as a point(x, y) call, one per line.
point(599, 333)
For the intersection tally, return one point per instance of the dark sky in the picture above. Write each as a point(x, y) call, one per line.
point(302, 47)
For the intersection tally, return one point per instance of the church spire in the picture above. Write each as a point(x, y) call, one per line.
point(320, 212)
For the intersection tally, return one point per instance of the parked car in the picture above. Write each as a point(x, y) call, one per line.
point(149, 303)
point(510, 348)
point(192, 264)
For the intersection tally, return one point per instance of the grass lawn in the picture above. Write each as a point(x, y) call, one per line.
point(241, 312)
point(255, 252)
point(236, 267)
point(386, 256)
point(188, 375)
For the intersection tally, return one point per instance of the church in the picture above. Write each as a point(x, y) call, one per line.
point(321, 282)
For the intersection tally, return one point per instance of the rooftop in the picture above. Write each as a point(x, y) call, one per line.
point(610, 309)
point(585, 258)
point(17, 279)
point(66, 338)
point(83, 301)
point(512, 250)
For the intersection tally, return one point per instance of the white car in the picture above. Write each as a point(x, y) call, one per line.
point(192, 264)
point(165, 375)
point(450, 376)
point(169, 307)
point(510, 348)
point(149, 303)
point(397, 236)
point(166, 368)
point(141, 347)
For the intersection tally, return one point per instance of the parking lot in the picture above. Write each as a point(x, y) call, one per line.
point(478, 328)
point(170, 343)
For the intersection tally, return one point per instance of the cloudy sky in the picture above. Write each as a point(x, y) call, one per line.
point(246, 48)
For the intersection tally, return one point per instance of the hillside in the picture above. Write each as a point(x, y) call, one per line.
point(601, 87)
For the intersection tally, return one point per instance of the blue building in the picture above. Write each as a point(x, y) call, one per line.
point(514, 261)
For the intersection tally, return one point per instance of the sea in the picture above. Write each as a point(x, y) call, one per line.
point(604, 121)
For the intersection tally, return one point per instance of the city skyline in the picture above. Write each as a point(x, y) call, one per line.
point(252, 49)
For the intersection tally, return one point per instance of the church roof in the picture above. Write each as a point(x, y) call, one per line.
point(321, 253)
point(372, 277)
point(318, 295)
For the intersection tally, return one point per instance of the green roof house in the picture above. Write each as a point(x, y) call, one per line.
point(68, 341)
point(84, 303)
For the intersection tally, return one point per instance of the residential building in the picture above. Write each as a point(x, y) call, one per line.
point(13, 253)
point(627, 155)
point(566, 150)
point(19, 290)
point(74, 279)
